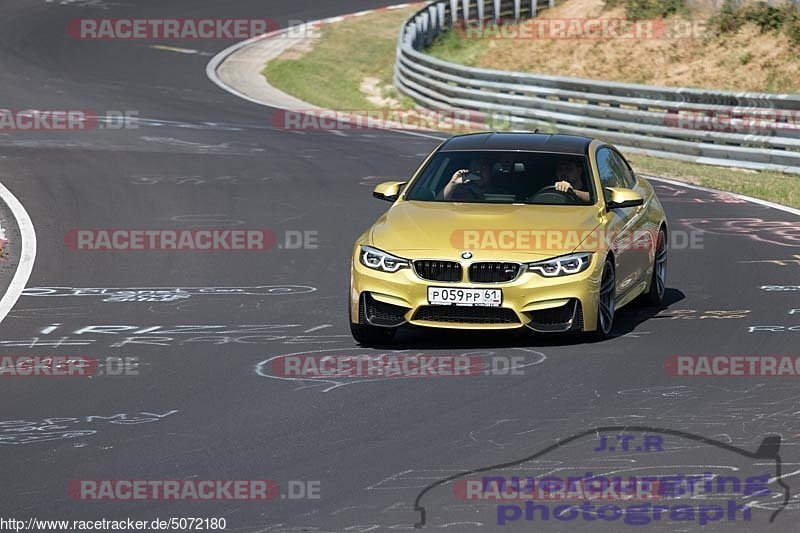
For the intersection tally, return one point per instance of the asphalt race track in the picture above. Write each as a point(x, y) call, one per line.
point(204, 403)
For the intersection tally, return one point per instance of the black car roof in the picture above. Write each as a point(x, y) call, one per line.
point(526, 142)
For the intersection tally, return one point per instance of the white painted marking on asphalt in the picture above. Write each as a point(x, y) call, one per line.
point(317, 328)
point(27, 252)
point(418, 134)
point(264, 368)
point(188, 51)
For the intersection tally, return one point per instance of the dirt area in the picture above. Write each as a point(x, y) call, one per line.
point(300, 49)
point(374, 91)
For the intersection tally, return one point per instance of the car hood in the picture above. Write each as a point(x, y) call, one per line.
point(443, 229)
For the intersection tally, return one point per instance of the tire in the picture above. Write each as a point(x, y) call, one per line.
point(606, 301)
point(367, 335)
point(655, 296)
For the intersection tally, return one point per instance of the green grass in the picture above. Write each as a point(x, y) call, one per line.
point(772, 186)
point(449, 46)
point(330, 75)
point(779, 82)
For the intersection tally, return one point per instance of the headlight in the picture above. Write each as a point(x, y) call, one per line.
point(562, 266)
point(378, 260)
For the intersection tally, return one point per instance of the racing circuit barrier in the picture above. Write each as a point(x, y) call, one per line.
point(677, 123)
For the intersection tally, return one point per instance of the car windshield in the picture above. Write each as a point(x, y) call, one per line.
point(504, 178)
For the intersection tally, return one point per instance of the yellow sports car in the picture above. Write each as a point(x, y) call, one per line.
point(510, 230)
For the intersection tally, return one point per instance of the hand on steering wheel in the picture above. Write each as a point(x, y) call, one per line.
point(555, 188)
point(564, 186)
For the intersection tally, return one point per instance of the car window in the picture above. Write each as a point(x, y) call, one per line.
point(614, 169)
point(608, 166)
point(501, 177)
point(437, 179)
point(628, 177)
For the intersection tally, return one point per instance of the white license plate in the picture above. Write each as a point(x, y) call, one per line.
point(465, 297)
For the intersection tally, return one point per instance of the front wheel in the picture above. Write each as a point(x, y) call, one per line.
point(367, 335)
point(606, 303)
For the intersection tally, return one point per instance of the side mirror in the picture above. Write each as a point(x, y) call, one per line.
point(618, 198)
point(388, 190)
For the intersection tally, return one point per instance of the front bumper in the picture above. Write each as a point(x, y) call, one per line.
point(546, 305)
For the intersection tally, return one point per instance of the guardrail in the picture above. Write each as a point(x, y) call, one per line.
point(678, 123)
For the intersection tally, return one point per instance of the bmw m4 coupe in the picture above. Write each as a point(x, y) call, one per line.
point(553, 233)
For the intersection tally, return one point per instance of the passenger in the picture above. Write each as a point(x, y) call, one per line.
point(469, 184)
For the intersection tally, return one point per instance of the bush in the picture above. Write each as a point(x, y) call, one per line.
point(729, 19)
point(791, 25)
point(765, 16)
point(647, 9)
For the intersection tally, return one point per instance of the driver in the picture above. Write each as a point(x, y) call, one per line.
point(569, 176)
point(464, 186)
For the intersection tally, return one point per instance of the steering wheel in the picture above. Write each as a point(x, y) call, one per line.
point(552, 195)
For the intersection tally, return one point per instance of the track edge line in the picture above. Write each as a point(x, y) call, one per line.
point(27, 253)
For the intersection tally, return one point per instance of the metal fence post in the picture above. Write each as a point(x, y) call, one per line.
point(442, 9)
